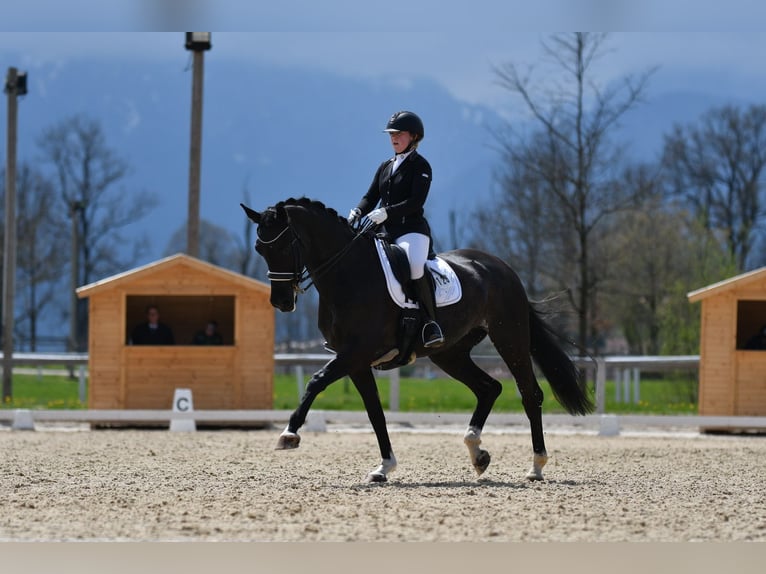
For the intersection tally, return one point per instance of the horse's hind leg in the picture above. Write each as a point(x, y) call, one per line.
point(457, 363)
point(516, 356)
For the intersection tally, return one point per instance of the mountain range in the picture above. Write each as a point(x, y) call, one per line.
point(279, 133)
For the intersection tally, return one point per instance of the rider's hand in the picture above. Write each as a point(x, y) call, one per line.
point(378, 216)
point(353, 215)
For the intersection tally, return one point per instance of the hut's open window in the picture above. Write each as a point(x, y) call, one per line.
point(751, 318)
point(186, 315)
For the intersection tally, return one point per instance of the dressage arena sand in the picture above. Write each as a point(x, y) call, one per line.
point(130, 485)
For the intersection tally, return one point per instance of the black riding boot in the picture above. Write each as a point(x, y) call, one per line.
point(432, 333)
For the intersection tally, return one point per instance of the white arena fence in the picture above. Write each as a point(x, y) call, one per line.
point(626, 368)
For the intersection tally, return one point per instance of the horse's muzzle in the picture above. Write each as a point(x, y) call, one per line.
point(285, 302)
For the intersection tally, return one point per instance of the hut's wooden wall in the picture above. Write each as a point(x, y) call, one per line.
point(106, 326)
point(256, 357)
point(732, 381)
point(751, 383)
point(716, 355)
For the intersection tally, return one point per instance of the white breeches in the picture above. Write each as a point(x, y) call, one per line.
point(415, 245)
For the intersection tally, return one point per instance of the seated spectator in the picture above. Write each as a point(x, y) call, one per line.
point(210, 336)
point(152, 332)
point(758, 341)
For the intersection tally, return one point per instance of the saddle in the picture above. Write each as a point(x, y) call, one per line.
point(396, 268)
point(400, 266)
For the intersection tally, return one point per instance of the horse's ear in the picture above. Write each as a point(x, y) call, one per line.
point(254, 216)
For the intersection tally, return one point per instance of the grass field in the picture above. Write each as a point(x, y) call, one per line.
point(675, 395)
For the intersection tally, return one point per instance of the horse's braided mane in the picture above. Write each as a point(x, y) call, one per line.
point(312, 204)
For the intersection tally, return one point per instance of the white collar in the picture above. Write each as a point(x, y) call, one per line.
point(399, 159)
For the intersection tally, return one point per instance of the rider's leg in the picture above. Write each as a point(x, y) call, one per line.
point(416, 245)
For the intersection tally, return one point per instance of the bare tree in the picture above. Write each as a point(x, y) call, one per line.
point(650, 261)
point(519, 226)
point(87, 173)
point(717, 167)
point(572, 159)
point(41, 263)
point(40, 260)
point(216, 245)
point(704, 262)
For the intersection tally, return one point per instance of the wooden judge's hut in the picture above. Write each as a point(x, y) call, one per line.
point(732, 368)
point(189, 293)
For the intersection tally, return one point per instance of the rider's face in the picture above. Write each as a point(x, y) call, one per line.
point(400, 140)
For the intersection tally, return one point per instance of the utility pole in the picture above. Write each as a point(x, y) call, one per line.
point(15, 85)
point(198, 43)
point(75, 209)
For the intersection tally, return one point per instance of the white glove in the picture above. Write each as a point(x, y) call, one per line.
point(354, 214)
point(378, 216)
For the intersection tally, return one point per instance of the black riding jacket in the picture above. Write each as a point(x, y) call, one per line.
point(402, 195)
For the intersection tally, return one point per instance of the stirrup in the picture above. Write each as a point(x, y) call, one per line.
point(432, 335)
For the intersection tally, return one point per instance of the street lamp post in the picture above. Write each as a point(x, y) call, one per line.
point(15, 85)
point(197, 43)
point(75, 212)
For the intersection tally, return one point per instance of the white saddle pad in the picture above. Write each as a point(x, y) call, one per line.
point(448, 290)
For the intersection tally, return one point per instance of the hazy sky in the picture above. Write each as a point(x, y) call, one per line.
point(410, 16)
point(455, 43)
point(462, 61)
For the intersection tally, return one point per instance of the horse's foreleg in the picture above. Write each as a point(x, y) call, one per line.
point(328, 374)
point(364, 381)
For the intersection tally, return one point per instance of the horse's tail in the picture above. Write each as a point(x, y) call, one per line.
point(566, 380)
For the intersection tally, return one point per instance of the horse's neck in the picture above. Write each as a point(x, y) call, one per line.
point(335, 257)
point(323, 246)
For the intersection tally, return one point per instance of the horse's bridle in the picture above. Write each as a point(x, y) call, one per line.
point(300, 272)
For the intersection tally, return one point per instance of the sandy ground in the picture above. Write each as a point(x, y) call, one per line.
point(232, 485)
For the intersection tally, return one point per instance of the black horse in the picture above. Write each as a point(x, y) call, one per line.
point(360, 322)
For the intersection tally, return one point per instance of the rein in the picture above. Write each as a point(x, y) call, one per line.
point(300, 272)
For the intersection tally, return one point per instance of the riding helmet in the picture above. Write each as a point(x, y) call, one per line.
point(406, 122)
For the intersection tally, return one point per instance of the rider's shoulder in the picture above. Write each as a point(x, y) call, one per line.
point(420, 160)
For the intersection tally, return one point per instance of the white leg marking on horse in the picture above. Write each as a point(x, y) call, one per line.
point(380, 474)
point(288, 440)
point(479, 458)
point(472, 439)
point(538, 462)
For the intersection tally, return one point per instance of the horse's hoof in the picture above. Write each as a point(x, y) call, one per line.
point(376, 477)
point(380, 474)
point(538, 462)
point(288, 440)
point(482, 462)
point(534, 475)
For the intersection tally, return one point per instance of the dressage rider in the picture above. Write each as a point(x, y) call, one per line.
point(401, 186)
